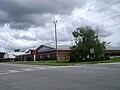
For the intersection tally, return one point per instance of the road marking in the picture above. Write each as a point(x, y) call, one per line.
point(31, 69)
point(49, 67)
point(38, 68)
point(12, 71)
point(26, 70)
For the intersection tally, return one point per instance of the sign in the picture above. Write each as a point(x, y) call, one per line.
point(92, 50)
point(34, 52)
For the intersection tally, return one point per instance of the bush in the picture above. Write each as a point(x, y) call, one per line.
point(29, 58)
point(1, 60)
point(72, 59)
point(107, 57)
point(75, 59)
point(118, 53)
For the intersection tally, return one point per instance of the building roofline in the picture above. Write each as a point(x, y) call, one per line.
point(44, 46)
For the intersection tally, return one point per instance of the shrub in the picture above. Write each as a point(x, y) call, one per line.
point(29, 58)
point(72, 59)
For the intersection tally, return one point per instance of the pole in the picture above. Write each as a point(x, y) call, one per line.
point(104, 49)
point(34, 58)
point(55, 22)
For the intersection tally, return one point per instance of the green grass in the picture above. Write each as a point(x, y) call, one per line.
point(111, 60)
point(64, 62)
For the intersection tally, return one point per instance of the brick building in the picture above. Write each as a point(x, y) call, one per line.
point(46, 52)
point(113, 51)
point(49, 52)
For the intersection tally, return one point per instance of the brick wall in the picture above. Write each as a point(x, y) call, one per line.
point(63, 56)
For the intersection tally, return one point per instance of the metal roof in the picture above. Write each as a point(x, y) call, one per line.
point(61, 47)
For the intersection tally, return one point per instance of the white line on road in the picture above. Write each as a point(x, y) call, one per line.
point(12, 71)
point(27, 69)
point(32, 69)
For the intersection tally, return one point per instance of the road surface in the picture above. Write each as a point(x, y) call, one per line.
point(83, 77)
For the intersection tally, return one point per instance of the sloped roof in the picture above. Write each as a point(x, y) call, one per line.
point(20, 53)
point(8, 55)
point(30, 49)
point(44, 48)
point(61, 47)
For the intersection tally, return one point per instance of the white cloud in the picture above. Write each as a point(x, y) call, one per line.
point(40, 26)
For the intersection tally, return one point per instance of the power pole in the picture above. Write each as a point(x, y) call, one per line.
point(55, 22)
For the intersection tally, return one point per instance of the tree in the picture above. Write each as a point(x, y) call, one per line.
point(86, 40)
point(1, 55)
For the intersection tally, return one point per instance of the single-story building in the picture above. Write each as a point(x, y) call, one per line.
point(9, 56)
point(49, 52)
point(112, 51)
point(44, 52)
point(26, 56)
point(12, 55)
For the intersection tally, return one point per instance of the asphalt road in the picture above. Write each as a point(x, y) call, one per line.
point(83, 77)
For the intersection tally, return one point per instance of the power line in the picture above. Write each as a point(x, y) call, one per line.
point(112, 25)
point(105, 20)
point(101, 6)
point(92, 4)
point(96, 7)
point(89, 6)
point(100, 29)
point(101, 20)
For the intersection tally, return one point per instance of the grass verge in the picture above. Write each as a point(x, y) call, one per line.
point(64, 62)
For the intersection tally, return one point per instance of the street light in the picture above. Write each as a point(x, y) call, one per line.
point(55, 22)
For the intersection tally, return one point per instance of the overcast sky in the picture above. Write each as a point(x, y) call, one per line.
point(29, 23)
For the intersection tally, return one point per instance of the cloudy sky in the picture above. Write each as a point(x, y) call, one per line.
point(29, 23)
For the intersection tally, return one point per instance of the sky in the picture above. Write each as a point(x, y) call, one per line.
point(29, 23)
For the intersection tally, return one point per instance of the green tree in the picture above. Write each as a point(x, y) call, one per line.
point(86, 40)
point(1, 55)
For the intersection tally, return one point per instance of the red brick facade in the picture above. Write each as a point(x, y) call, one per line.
point(112, 51)
point(62, 55)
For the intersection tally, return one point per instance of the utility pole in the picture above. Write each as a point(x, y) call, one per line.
point(104, 48)
point(55, 22)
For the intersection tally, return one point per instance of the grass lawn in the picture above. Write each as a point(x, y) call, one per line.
point(64, 62)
